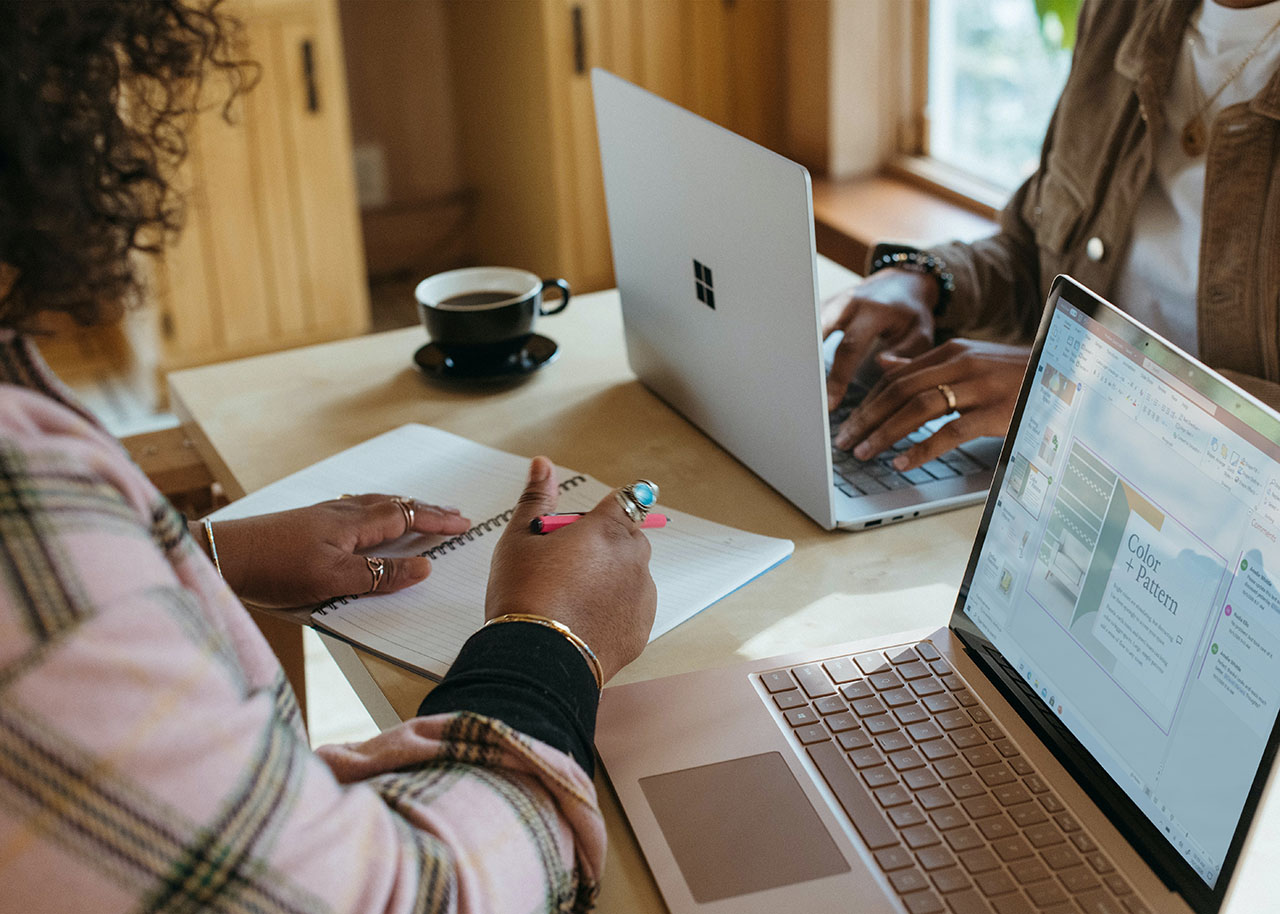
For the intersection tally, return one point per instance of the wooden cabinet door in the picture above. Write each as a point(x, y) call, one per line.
point(582, 34)
point(271, 256)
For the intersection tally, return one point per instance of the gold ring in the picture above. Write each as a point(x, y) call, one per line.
point(406, 508)
point(949, 394)
point(377, 568)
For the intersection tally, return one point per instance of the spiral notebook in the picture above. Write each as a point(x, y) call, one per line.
point(694, 563)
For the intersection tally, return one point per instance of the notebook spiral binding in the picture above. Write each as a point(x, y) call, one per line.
point(497, 522)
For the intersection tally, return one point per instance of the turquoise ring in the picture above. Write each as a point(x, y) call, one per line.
point(638, 498)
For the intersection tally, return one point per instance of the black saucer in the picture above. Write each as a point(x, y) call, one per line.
point(538, 351)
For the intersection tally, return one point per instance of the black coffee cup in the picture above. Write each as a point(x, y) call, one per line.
point(484, 314)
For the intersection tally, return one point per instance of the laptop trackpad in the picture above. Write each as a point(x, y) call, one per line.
point(741, 826)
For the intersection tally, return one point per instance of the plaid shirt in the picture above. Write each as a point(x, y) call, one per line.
point(152, 756)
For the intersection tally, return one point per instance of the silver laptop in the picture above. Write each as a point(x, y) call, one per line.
point(713, 251)
point(1094, 729)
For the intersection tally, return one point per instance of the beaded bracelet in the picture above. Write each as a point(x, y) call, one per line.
point(213, 547)
point(587, 653)
point(917, 261)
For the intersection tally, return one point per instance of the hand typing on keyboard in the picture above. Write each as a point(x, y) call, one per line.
point(983, 379)
point(891, 310)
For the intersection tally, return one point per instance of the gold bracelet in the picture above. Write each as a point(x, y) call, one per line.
point(587, 653)
point(213, 548)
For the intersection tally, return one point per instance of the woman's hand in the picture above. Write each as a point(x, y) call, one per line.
point(309, 555)
point(984, 377)
point(891, 308)
point(592, 575)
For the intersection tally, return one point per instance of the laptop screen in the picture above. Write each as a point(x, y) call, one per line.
point(1129, 575)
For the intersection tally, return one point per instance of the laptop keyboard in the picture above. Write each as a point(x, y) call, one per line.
point(856, 477)
point(956, 817)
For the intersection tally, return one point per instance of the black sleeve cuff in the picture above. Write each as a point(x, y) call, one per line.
point(532, 679)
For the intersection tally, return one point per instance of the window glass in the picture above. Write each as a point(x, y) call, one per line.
point(996, 68)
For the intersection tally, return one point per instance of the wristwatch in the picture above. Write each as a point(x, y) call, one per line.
point(905, 257)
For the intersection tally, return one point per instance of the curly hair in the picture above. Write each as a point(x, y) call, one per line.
point(95, 100)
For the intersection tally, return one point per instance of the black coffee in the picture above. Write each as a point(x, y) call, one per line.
point(472, 299)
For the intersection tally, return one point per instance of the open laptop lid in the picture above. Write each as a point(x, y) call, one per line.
point(1124, 588)
point(714, 257)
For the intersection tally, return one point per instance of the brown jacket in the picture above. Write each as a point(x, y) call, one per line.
point(1074, 214)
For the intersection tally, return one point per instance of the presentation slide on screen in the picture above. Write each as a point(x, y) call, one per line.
point(1147, 531)
point(1128, 581)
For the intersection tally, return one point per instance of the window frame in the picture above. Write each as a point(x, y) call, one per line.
point(905, 57)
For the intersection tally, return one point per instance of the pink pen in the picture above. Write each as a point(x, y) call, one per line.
point(548, 522)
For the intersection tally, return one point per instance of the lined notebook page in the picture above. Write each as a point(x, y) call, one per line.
point(694, 562)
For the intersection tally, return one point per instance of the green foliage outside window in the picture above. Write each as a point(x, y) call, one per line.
point(1058, 22)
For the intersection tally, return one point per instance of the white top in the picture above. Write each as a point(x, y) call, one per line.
point(1157, 283)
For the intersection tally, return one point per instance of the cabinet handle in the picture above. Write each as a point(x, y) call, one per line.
point(309, 75)
point(579, 43)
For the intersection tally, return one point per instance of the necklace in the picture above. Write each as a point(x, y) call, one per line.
point(1194, 133)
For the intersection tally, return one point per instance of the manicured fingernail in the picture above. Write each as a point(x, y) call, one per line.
point(900, 462)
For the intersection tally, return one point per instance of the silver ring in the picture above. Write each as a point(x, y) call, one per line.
point(406, 508)
point(377, 568)
point(629, 507)
point(638, 498)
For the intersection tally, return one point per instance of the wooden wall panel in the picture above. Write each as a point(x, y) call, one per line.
point(499, 60)
point(324, 181)
point(275, 149)
point(808, 73)
point(756, 71)
point(233, 232)
point(662, 54)
point(607, 37)
point(399, 83)
point(184, 286)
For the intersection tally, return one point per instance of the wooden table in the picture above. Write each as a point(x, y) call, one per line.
point(256, 420)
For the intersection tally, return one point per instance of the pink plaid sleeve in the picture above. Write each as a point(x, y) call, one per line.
point(151, 755)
